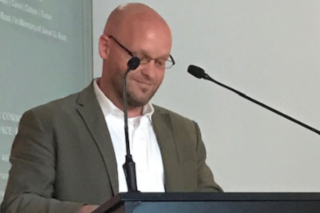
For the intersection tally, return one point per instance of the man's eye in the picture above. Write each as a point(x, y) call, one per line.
point(143, 59)
point(161, 62)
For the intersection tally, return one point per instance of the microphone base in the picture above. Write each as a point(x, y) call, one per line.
point(129, 168)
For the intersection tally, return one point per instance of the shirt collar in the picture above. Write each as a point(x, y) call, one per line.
point(109, 108)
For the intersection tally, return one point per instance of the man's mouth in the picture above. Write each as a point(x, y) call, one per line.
point(143, 84)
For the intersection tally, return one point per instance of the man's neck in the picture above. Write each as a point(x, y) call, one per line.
point(132, 111)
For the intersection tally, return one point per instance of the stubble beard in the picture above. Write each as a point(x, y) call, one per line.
point(133, 99)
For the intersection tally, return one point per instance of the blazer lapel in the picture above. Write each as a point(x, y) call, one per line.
point(92, 115)
point(164, 132)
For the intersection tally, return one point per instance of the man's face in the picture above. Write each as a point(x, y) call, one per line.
point(143, 82)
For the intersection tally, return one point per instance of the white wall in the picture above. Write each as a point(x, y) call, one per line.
point(269, 50)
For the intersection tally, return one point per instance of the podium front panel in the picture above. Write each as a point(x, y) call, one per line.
point(212, 203)
point(222, 207)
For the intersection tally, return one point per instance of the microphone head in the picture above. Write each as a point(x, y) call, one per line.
point(133, 63)
point(196, 71)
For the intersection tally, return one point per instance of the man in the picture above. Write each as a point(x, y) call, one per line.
point(68, 154)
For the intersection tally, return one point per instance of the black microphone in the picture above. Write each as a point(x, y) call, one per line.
point(133, 64)
point(129, 166)
point(196, 71)
point(200, 73)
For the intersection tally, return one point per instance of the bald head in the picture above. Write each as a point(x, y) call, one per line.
point(134, 29)
point(129, 17)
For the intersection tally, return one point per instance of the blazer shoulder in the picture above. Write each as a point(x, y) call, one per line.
point(175, 117)
point(58, 105)
point(67, 103)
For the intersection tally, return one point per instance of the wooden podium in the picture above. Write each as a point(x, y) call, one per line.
point(212, 203)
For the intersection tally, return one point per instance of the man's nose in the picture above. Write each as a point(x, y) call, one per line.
point(149, 70)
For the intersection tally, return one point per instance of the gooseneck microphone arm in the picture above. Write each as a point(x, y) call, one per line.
point(200, 73)
point(129, 166)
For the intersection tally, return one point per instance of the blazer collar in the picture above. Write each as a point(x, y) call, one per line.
point(163, 128)
point(92, 115)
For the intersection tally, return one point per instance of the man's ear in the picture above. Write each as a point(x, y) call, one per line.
point(104, 46)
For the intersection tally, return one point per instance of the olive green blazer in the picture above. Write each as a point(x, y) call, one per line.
point(62, 157)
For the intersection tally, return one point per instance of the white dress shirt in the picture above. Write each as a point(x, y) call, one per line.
point(143, 145)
